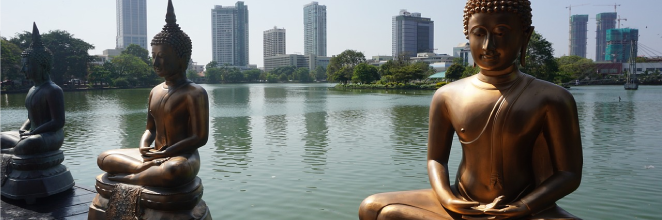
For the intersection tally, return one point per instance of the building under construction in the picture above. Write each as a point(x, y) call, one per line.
point(605, 21)
point(619, 43)
point(578, 35)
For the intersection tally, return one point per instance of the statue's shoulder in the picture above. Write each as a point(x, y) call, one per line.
point(550, 91)
point(194, 88)
point(52, 87)
point(455, 87)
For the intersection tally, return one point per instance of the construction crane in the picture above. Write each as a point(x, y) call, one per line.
point(570, 8)
point(619, 21)
point(615, 5)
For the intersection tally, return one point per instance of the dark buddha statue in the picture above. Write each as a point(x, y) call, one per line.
point(166, 163)
point(520, 139)
point(31, 156)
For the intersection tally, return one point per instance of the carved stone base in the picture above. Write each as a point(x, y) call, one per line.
point(36, 176)
point(183, 202)
point(199, 212)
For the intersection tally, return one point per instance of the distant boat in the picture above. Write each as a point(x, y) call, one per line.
point(631, 81)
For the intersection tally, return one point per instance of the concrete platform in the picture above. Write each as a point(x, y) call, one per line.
point(70, 204)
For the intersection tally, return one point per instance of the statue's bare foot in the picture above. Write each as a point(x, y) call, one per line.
point(124, 178)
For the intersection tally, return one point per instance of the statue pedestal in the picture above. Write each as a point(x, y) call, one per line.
point(183, 202)
point(35, 176)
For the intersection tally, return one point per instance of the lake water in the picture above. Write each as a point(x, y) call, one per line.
point(307, 151)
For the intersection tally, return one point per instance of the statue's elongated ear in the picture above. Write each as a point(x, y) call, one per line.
point(525, 46)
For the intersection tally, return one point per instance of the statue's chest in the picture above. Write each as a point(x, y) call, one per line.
point(471, 112)
point(32, 100)
point(167, 105)
point(487, 112)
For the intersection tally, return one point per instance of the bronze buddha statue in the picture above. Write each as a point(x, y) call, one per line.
point(520, 139)
point(31, 156)
point(177, 125)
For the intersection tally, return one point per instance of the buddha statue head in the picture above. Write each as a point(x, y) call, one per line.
point(36, 59)
point(498, 32)
point(171, 48)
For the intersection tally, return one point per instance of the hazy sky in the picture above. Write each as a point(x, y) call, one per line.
point(363, 25)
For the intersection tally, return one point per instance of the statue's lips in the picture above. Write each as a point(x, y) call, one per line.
point(489, 57)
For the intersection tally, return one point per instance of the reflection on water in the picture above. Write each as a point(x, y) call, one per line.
point(316, 141)
point(293, 151)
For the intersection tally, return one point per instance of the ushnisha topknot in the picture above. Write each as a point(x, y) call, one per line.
point(174, 36)
point(522, 8)
point(37, 51)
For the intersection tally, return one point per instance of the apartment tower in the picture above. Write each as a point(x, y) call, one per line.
point(605, 21)
point(578, 35)
point(131, 23)
point(412, 34)
point(274, 42)
point(229, 25)
point(619, 43)
point(314, 24)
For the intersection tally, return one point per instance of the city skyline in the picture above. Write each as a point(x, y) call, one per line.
point(364, 26)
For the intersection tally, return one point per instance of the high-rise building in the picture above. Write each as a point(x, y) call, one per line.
point(412, 34)
point(605, 21)
point(578, 35)
point(131, 23)
point(229, 34)
point(619, 43)
point(463, 51)
point(274, 42)
point(314, 29)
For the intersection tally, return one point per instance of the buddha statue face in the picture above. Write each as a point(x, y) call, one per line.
point(171, 48)
point(31, 69)
point(496, 40)
point(498, 33)
point(36, 59)
point(166, 62)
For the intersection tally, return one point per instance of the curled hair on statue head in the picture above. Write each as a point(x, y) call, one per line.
point(522, 8)
point(37, 52)
point(173, 35)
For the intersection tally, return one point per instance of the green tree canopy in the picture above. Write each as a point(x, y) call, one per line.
point(287, 70)
point(139, 52)
point(213, 74)
point(540, 61)
point(252, 75)
point(365, 73)
point(574, 67)
point(232, 74)
point(192, 74)
point(70, 54)
point(342, 66)
point(302, 75)
point(320, 73)
point(99, 74)
point(131, 68)
point(470, 71)
point(455, 71)
point(11, 61)
point(211, 64)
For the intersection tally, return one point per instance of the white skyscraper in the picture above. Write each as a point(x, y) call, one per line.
point(274, 42)
point(314, 23)
point(229, 34)
point(131, 23)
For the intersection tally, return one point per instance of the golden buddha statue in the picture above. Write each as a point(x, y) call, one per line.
point(520, 139)
point(31, 166)
point(177, 125)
